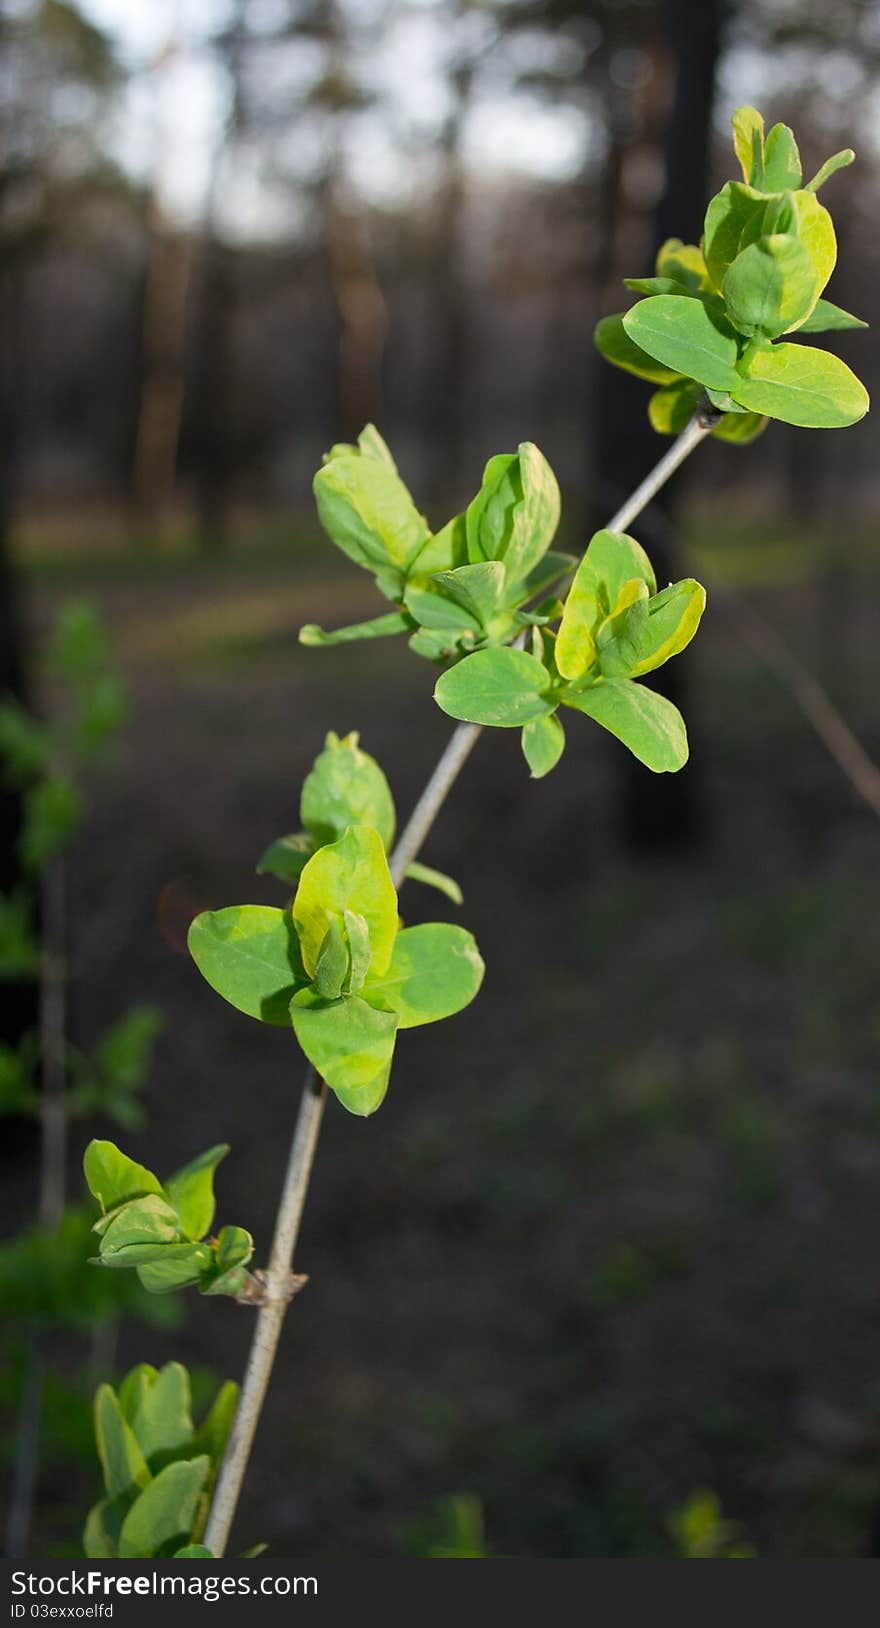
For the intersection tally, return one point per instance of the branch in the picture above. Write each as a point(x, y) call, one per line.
point(296, 1181)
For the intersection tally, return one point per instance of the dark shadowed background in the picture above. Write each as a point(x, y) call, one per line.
point(612, 1238)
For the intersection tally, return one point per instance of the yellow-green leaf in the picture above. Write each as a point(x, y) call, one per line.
point(351, 874)
point(350, 1044)
point(801, 385)
point(436, 970)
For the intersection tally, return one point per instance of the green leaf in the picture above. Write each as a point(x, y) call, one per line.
point(782, 161)
point(351, 874)
point(683, 335)
point(286, 857)
point(734, 215)
point(102, 711)
point(614, 343)
point(477, 589)
point(379, 627)
point(366, 509)
point(436, 970)
point(191, 1191)
point(234, 1248)
point(332, 967)
point(826, 318)
point(132, 1389)
point(113, 1179)
point(194, 1551)
point(350, 1045)
point(683, 263)
point(176, 1266)
point(516, 512)
point(53, 812)
point(250, 955)
point(671, 409)
point(647, 723)
point(838, 161)
point(124, 1053)
point(162, 1417)
point(101, 1532)
point(770, 287)
point(740, 428)
point(166, 1510)
point(748, 144)
point(543, 743)
point(503, 687)
point(79, 648)
point(123, 1464)
point(372, 445)
point(25, 744)
point(214, 1431)
point(658, 285)
point(346, 787)
point(139, 1232)
point(804, 386)
point(19, 947)
point(437, 611)
point(611, 561)
point(815, 230)
point(544, 575)
point(653, 631)
point(359, 950)
point(443, 551)
point(447, 885)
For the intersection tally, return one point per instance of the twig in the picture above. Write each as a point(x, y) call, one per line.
point(296, 1181)
point(816, 705)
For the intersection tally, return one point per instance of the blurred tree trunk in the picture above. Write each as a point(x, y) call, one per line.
point(157, 437)
point(661, 811)
point(212, 397)
point(362, 318)
point(447, 429)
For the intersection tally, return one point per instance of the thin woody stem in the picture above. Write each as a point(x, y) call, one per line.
point(293, 1196)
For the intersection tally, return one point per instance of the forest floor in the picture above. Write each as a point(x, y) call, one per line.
point(613, 1235)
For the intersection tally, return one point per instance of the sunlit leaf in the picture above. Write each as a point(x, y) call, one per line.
point(435, 970)
point(346, 787)
point(351, 874)
point(611, 561)
point(825, 318)
point(614, 343)
point(250, 955)
point(683, 335)
point(804, 386)
point(748, 144)
point(350, 1044)
point(647, 723)
point(543, 743)
point(501, 686)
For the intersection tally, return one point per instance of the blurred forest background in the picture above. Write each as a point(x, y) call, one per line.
point(612, 1238)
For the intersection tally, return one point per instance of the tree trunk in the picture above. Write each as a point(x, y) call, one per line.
point(662, 812)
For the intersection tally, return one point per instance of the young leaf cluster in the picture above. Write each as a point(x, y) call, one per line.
point(161, 1229)
point(159, 1470)
point(345, 786)
point(463, 588)
point(713, 320)
point(615, 627)
point(336, 965)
